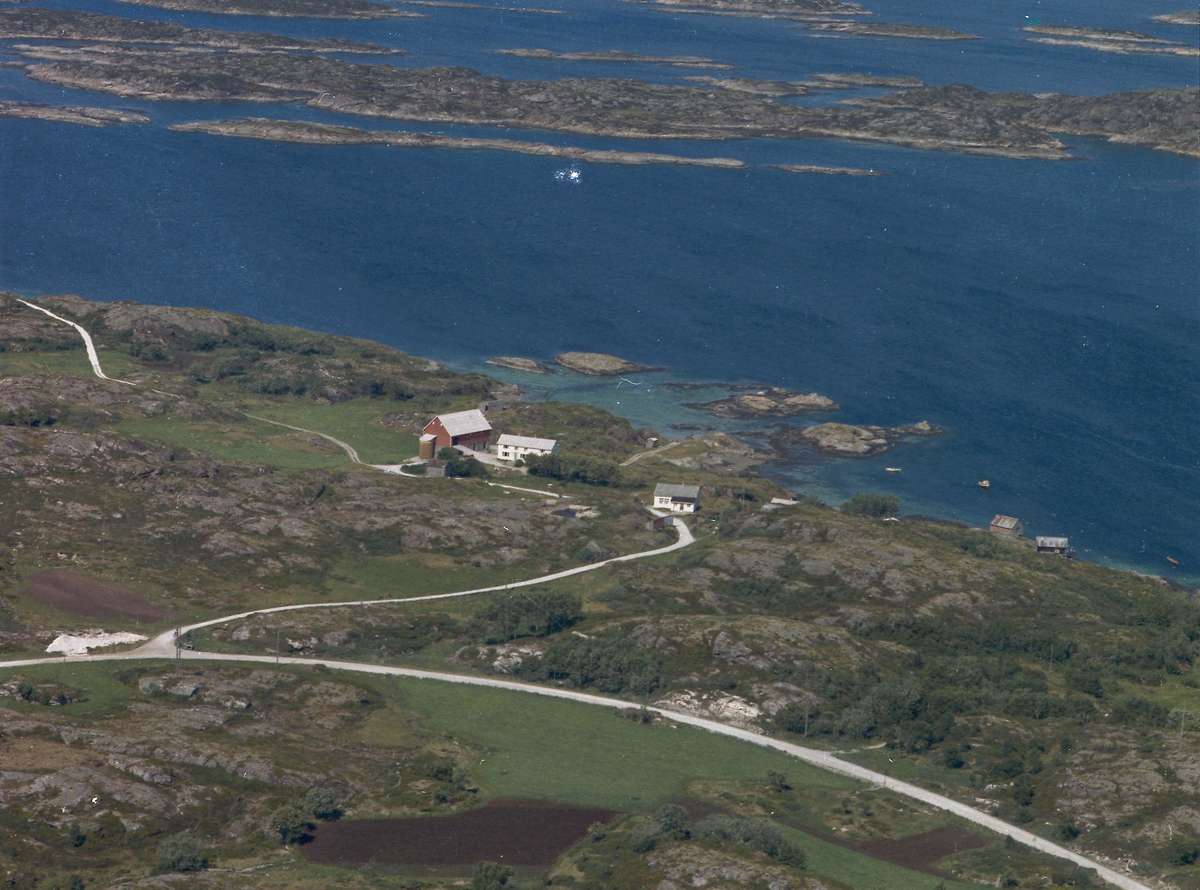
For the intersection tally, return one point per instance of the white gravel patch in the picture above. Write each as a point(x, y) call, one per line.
point(79, 644)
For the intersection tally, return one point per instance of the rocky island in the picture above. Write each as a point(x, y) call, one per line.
point(597, 364)
point(514, 363)
point(870, 29)
point(1107, 40)
point(269, 68)
point(771, 9)
point(845, 440)
point(71, 114)
point(772, 402)
point(616, 55)
point(1186, 17)
point(308, 9)
point(325, 134)
point(826, 171)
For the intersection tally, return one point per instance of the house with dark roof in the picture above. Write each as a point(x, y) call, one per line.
point(677, 498)
point(468, 429)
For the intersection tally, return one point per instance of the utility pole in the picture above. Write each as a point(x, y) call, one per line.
point(277, 645)
point(178, 650)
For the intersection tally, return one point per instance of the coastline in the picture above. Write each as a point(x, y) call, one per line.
point(658, 399)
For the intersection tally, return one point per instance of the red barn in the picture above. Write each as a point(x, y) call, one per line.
point(467, 428)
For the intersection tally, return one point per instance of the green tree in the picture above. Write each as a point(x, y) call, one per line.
point(322, 804)
point(490, 876)
point(292, 823)
point(181, 852)
point(871, 503)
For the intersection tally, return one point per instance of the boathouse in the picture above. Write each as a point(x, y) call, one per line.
point(1006, 525)
point(1051, 545)
point(677, 498)
point(468, 429)
point(510, 447)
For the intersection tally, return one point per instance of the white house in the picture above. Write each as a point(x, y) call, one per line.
point(510, 447)
point(677, 498)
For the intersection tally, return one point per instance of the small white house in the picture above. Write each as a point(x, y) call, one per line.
point(677, 498)
point(510, 447)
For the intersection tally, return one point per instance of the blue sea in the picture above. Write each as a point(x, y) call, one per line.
point(1045, 313)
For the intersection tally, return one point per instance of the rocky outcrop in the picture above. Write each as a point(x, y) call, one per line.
point(70, 114)
point(773, 402)
point(597, 364)
point(845, 440)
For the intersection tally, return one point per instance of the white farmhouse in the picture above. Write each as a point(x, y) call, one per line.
point(510, 447)
point(677, 498)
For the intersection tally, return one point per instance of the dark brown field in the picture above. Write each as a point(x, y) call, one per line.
point(77, 595)
point(921, 851)
point(521, 833)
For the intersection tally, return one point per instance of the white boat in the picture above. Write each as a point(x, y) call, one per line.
point(983, 483)
point(892, 469)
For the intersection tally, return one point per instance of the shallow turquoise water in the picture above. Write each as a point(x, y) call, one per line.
point(1045, 313)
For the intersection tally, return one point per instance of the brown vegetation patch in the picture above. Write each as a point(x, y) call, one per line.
point(77, 595)
point(516, 832)
point(921, 851)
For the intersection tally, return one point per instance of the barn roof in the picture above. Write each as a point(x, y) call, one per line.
point(463, 423)
point(677, 492)
point(526, 442)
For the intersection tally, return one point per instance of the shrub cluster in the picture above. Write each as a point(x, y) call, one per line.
point(510, 614)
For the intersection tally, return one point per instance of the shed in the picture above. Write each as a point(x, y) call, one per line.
point(510, 447)
point(436, 468)
point(1006, 525)
point(468, 429)
point(658, 523)
point(1051, 545)
point(677, 498)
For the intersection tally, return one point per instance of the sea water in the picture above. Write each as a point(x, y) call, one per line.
point(1044, 313)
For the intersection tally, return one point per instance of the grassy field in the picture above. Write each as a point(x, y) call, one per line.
point(245, 440)
point(355, 423)
point(583, 754)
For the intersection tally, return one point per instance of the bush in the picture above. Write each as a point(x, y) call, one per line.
point(490, 876)
point(757, 834)
point(1067, 829)
point(1183, 850)
point(870, 503)
point(322, 804)
point(459, 465)
point(611, 666)
point(574, 468)
point(1140, 712)
point(181, 852)
point(510, 614)
point(291, 822)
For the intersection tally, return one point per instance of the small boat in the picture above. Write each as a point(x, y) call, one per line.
point(1172, 560)
point(983, 483)
point(892, 469)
